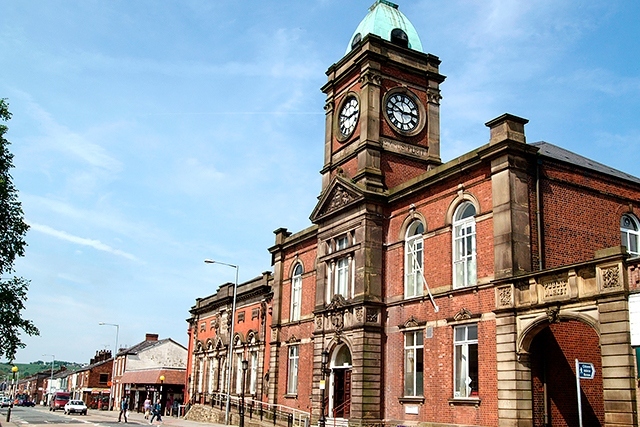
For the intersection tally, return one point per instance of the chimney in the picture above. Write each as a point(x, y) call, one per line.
point(507, 127)
point(151, 337)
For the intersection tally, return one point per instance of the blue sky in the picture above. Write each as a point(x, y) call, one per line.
point(149, 136)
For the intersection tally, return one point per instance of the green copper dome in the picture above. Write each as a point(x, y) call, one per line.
point(385, 20)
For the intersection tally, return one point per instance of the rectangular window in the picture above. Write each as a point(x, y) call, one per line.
point(341, 243)
point(342, 277)
point(212, 370)
point(239, 373)
point(200, 375)
point(104, 378)
point(413, 267)
point(464, 253)
point(254, 372)
point(292, 375)
point(413, 363)
point(465, 361)
point(296, 297)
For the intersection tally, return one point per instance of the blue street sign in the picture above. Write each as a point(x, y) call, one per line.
point(586, 371)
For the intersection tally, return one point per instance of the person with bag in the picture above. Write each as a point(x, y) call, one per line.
point(147, 408)
point(124, 407)
point(157, 412)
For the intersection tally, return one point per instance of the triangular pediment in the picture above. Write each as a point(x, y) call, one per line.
point(339, 195)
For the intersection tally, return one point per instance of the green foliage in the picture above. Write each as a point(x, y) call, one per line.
point(28, 369)
point(13, 291)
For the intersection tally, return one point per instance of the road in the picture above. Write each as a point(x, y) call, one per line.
point(40, 415)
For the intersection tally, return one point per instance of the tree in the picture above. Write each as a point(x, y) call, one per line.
point(13, 291)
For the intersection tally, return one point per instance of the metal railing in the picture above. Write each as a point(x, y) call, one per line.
point(263, 411)
point(344, 409)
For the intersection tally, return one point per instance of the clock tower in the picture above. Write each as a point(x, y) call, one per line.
point(383, 105)
point(382, 130)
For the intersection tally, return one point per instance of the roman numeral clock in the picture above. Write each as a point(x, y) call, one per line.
point(348, 116)
point(404, 111)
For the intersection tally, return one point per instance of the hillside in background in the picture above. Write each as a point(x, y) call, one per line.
point(28, 369)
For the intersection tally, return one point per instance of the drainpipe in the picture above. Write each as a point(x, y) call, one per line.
point(544, 393)
point(539, 215)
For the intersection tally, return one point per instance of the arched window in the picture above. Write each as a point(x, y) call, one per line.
point(356, 40)
point(399, 37)
point(413, 260)
point(630, 234)
point(464, 246)
point(296, 292)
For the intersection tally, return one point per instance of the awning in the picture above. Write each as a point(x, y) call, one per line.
point(152, 376)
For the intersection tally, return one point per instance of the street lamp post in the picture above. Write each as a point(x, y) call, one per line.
point(14, 370)
point(161, 383)
point(113, 366)
point(53, 358)
point(230, 355)
point(323, 366)
point(245, 365)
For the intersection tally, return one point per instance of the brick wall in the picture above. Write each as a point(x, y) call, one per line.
point(553, 354)
point(581, 213)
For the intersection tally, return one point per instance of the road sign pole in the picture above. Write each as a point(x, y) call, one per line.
point(578, 392)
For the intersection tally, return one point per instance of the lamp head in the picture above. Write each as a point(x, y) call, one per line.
point(161, 378)
point(245, 365)
point(14, 369)
point(325, 357)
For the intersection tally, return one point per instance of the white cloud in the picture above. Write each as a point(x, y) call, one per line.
point(96, 244)
point(59, 138)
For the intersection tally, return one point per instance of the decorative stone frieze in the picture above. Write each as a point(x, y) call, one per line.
point(611, 277)
point(337, 320)
point(504, 296)
point(373, 314)
point(463, 314)
point(319, 321)
point(340, 198)
point(359, 312)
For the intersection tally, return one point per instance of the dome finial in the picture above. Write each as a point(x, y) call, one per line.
point(386, 21)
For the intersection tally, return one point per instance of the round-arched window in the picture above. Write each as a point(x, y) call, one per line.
point(630, 234)
point(414, 260)
point(399, 37)
point(464, 246)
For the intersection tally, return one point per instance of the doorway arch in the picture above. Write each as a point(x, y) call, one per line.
point(340, 382)
point(553, 349)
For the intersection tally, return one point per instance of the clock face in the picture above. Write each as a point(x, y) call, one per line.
point(402, 112)
point(349, 115)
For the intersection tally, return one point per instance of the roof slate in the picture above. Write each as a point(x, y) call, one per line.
point(555, 152)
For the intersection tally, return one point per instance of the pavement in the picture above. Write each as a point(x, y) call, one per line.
point(134, 418)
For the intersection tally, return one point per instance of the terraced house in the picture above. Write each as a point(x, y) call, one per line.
point(449, 294)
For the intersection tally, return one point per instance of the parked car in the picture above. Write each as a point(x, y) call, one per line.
point(5, 402)
point(24, 402)
point(75, 407)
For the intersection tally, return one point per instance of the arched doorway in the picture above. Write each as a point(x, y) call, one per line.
point(553, 352)
point(340, 381)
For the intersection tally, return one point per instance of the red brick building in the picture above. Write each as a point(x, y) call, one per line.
point(209, 334)
point(448, 294)
point(91, 383)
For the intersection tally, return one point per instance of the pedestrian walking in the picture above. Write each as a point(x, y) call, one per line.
point(147, 408)
point(157, 412)
point(124, 407)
